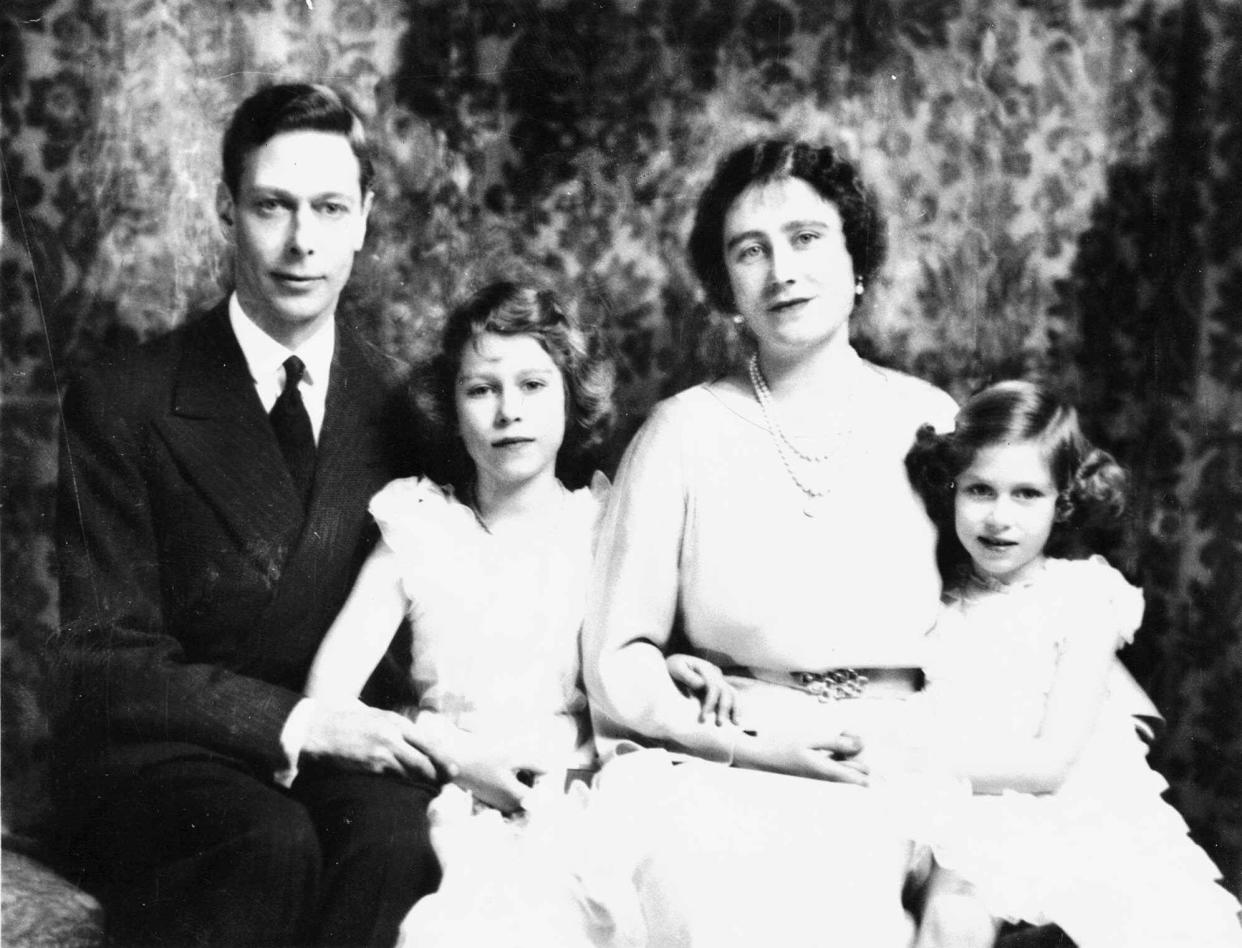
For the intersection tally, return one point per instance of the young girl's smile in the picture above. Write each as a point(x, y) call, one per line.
point(1005, 505)
point(510, 408)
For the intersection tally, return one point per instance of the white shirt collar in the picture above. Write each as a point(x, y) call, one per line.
point(265, 357)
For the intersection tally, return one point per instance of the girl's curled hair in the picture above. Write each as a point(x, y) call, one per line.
point(1091, 486)
point(510, 308)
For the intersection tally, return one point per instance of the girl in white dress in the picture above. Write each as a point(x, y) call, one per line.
point(1066, 823)
point(493, 579)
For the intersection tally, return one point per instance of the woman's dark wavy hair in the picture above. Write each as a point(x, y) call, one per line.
point(511, 308)
point(1091, 485)
point(834, 178)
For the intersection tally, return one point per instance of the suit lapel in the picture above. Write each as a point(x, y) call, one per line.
point(353, 461)
point(222, 436)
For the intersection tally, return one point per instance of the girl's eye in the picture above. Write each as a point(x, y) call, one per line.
point(476, 391)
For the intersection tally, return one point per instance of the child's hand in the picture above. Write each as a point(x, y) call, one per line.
point(697, 675)
point(497, 779)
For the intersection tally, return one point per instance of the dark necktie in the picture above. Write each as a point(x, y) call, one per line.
point(293, 429)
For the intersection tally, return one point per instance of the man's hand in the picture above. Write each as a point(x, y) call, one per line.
point(357, 737)
point(831, 758)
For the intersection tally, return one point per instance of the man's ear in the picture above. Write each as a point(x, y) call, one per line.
point(224, 204)
point(368, 200)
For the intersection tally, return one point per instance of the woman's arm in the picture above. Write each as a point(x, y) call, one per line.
point(362, 632)
point(630, 615)
point(1040, 764)
point(633, 602)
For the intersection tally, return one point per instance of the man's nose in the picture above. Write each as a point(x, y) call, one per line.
point(302, 229)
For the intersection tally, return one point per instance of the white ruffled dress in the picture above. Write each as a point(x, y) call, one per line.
point(1104, 857)
point(496, 621)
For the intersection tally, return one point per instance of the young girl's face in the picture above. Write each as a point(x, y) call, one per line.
point(1005, 504)
point(510, 399)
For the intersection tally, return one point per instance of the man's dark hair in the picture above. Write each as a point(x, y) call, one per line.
point(293, 107)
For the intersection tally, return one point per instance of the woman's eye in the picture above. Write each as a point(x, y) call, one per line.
point(806, 237)
point(334, 209)
point(1029, 493)
point(748, 253)
point(476, 391)
point(977, 490)
point(534, 385)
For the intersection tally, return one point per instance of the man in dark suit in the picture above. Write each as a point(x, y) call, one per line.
point(213, 516)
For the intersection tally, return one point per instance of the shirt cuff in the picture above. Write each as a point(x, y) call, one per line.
point(293, 739)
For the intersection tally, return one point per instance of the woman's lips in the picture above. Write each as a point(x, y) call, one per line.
point(785, 305)
point(992, 543)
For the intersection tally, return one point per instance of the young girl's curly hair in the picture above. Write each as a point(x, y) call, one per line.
point(510, 308)
point(1091, 485)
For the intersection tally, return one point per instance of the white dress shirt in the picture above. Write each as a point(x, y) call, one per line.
point(265, 357)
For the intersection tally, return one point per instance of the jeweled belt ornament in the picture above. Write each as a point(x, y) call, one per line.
point(833, 685)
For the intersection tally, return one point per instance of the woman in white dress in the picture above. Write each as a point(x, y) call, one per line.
point(764, 522)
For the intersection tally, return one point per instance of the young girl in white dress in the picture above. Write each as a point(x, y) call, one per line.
point(1066, 823)
point(492, 577)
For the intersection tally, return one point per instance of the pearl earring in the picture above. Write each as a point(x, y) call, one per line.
point(737, 321)
point(858, 287)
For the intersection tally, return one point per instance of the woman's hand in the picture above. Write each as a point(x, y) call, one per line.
point(699, 676)
point(832, 758)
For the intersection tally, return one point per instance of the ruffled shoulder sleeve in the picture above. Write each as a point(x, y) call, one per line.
point(1101, 597)
point(416, 514)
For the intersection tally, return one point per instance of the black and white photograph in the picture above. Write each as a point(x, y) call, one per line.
point(621, 473)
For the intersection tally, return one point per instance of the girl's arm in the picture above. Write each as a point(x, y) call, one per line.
point(362, 632)
point(1040, 764)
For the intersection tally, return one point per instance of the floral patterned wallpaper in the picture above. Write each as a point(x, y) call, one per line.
point(1063, 180)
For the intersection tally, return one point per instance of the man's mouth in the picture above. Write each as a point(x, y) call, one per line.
point(294, 279)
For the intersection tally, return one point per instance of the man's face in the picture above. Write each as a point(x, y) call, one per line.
point(297, 219)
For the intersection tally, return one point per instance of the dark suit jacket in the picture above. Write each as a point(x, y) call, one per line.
point(194, 588)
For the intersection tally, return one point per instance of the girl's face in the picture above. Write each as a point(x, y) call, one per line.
point(792, 278)
point(510, 399)
point(1005, 504)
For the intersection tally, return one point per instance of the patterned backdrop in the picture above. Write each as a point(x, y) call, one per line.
point(1063, 180)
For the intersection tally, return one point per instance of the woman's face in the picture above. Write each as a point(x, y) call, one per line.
point(1005, 505)
point(792, 278)
point(510, 399)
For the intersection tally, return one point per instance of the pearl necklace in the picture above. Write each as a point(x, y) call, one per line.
point(763, 395)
